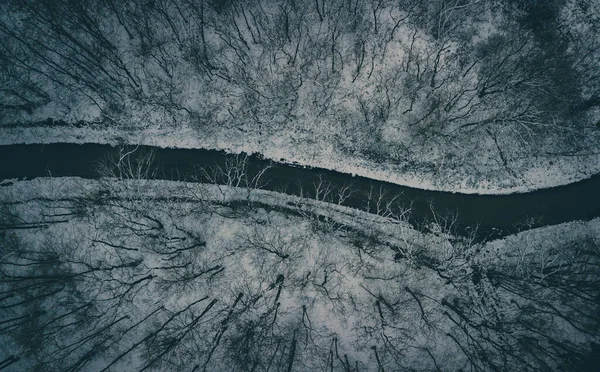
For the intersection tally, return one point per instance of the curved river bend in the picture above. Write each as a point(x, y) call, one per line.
point(495, 215)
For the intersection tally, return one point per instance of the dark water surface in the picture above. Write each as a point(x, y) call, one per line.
point(494, 215)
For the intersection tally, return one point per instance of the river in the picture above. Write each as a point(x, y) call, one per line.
point(494, 216)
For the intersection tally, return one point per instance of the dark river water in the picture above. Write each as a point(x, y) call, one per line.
point(493, 215)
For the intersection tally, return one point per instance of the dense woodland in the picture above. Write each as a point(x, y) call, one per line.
point(458, 81)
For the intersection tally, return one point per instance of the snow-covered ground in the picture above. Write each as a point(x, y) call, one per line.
point(531, 174)
point(171, 275)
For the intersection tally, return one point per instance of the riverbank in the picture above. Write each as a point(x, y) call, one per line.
point(491, 216)
point(479, 176)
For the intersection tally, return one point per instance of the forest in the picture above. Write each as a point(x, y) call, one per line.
point(446, 94)
point(129, 273)
point(127, 270)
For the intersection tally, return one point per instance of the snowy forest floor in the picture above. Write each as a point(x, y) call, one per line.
point(120, 274)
